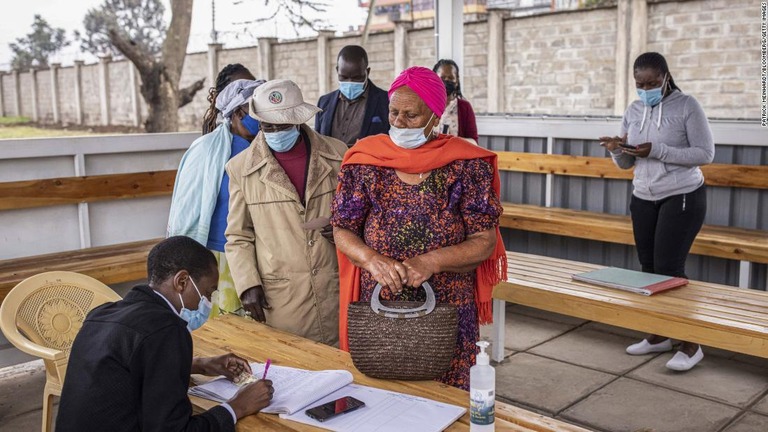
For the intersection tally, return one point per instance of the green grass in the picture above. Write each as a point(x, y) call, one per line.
point(20, 131)
point(14, 120)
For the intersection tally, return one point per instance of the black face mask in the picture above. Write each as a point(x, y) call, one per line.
point(450, 87)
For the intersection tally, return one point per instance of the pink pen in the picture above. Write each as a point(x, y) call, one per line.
point(266, 368)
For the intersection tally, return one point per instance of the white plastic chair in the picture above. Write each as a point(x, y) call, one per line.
point(41, 317)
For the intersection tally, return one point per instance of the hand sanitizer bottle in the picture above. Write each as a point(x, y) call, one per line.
point(482, 393)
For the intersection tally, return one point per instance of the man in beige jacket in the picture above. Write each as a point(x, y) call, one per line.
point(281, 188)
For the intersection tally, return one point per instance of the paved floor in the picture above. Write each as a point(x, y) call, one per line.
point(565, 368)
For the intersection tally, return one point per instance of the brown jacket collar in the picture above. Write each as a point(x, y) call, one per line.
point(322, 155)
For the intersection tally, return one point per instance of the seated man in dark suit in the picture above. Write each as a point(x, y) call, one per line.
point(358, 108)
point(130, 363)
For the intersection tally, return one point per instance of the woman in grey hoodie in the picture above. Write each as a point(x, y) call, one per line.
point(665, 136)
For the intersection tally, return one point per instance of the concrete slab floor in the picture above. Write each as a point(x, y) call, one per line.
point(592, 349)
point(749, 423)
point(546, 384)
point(715, 378)
point(761, 406)
point(627, 405)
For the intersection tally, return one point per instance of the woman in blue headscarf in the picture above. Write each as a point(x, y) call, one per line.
point(200, 200)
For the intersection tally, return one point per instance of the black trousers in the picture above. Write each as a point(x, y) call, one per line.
point(665, 229)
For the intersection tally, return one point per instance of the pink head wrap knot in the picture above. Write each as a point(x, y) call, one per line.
point(424, 83)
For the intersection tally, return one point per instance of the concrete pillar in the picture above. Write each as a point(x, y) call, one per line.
point(495, 55)
point(401, 46)
point(265, 58)
point(55, 92)
point(35, 99)
point(134, 88)
point(323, 62)
point(213, 62)
point(17, 92)
point(623, 19)
point(638, 41)
point(449, 30)
point(104, 89)
point(79, 91)
point(2, 95)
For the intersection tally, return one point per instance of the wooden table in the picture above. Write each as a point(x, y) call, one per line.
point(256, 342)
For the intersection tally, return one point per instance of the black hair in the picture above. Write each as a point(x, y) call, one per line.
point(179, 253)
point(448, 62)
point(656, 61)
point(222, 80)
point(353, 53)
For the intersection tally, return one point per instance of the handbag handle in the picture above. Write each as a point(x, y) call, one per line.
point(416, 312)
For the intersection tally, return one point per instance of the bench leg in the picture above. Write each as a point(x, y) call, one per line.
point(497, 338)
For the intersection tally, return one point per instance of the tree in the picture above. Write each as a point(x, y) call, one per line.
point(136, 30)
point(294, 11)
point(37, 47)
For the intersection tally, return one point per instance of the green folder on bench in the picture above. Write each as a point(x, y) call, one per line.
point(630, 280)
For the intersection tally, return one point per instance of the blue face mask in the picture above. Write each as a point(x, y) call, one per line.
point(408, 138)
point(251, 124)
point(282, 141)
point(196, 318)
point(351, 89)
point(652, 97)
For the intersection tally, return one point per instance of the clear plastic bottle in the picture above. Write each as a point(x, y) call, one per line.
point(482, 393)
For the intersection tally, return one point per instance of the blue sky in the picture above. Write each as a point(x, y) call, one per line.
point(69, 15)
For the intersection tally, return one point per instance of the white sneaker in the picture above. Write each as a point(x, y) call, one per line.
point(644, 347)
point(681, 362)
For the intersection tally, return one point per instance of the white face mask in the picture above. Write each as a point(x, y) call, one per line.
point(409, 138)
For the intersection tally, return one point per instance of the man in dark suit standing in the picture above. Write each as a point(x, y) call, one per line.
point(358, 108)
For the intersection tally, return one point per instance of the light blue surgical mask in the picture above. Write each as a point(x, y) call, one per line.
point(352, 89)
point(282, 141)
point(409, 138)
point(652, 97)
point(196, 318)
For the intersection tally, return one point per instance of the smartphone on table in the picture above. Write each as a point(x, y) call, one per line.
point(331, 409)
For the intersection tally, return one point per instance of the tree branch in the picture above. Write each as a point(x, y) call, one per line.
point(187, 94)
point(132, 52)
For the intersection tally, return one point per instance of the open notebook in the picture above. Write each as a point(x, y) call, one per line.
point(297, 390)
point(630, 280)
point(294, 388)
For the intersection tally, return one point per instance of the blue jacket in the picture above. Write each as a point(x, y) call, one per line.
point(376, 119)
point(198, 181)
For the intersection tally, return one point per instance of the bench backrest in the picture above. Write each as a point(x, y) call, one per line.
point(726, 175)
point(74, 190)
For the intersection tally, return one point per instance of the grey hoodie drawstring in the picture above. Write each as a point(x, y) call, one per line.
point(645, 111)
point(658, 121)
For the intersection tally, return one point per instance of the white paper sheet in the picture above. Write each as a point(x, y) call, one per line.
point(384, 411)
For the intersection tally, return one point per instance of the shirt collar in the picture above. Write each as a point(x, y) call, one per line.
point(169, 303)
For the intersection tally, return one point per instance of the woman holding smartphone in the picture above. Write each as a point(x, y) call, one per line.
point(665, 136)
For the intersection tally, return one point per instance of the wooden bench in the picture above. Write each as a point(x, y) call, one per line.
point(746, 245)
point(713, 315)
point(110, 264)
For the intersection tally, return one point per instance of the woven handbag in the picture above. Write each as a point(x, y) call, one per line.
point(402, 340)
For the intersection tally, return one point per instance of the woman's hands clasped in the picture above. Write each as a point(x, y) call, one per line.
point(393, 274)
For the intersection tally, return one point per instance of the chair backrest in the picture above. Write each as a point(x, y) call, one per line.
point(48, 310)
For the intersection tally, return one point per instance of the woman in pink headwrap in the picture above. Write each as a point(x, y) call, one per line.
point(418, 206)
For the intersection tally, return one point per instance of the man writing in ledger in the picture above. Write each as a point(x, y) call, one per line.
point(130, 364)
point(358, 108)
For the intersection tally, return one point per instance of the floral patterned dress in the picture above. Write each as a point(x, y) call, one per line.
point(402, 221)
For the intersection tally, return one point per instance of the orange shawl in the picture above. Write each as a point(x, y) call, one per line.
point(379, 150)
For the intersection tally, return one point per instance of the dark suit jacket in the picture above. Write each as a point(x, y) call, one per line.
point(376, 118)
point(129, 370)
